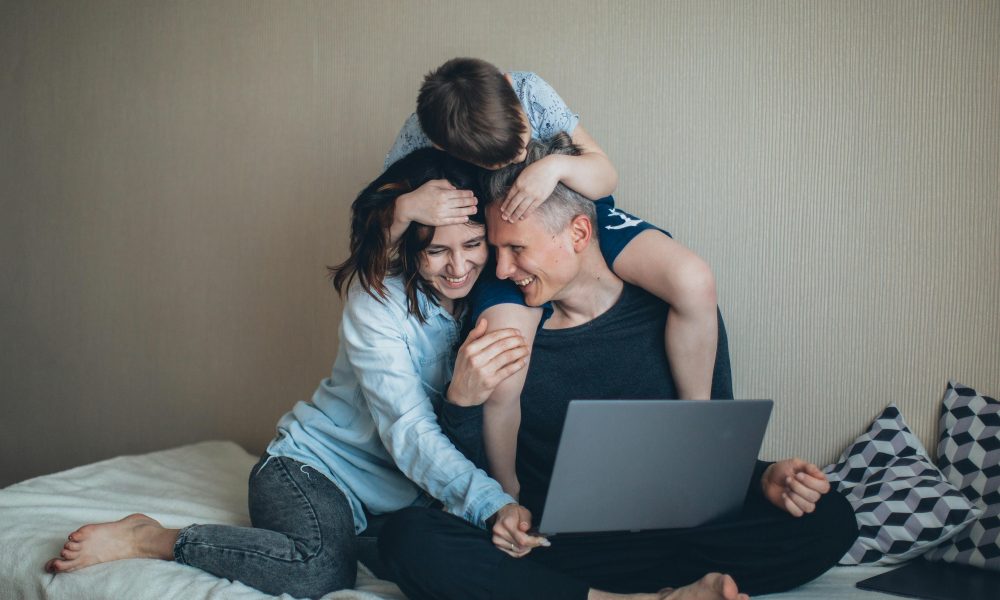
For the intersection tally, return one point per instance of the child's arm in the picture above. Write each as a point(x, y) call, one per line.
point(436, 202)
point(678, 276)
point(591, 174)
point(502, 411)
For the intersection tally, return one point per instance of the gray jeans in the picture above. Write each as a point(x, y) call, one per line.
point(302, 541)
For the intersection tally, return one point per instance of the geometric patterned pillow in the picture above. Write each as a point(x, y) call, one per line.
point(969, 456)
point(903, 504)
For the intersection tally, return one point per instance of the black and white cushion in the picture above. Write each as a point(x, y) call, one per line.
point(904, 505)
point(968, 453)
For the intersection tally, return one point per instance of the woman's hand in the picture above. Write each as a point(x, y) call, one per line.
point(510, 531)
point(532, 187)
point(435, 203)
point(794, 486)
point(484, 360)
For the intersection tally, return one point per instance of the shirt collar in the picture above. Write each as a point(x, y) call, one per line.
point(429, 308)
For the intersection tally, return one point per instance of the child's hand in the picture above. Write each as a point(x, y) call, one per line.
point(533, 186)
point(436, 203)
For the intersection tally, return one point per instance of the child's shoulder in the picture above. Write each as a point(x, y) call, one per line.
point(411, 137)
point(528, 84)
point(547, 112)
point(524, 77)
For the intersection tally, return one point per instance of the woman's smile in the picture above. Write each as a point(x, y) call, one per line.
point(457, 281)
point(453, 260)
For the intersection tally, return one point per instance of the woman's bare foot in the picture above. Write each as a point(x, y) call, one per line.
point(714, 586)
point(135, 536)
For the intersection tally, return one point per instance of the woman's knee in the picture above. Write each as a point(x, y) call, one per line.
point(316, 577)
point(311, 576)
point(319, 586)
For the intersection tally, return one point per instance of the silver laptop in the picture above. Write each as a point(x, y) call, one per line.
point(629, 465)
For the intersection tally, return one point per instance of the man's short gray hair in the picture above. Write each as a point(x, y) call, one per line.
point(563, 205)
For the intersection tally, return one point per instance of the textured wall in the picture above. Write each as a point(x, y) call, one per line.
point(175, 176)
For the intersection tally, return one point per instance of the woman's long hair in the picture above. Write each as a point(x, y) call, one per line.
point(371, 258)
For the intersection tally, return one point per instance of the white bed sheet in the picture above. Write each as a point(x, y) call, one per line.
point(199, 483)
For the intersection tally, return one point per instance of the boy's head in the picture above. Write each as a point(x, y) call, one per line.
point(468, 108)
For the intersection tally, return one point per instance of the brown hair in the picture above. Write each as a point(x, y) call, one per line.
point(468, 108)
point(371, 258)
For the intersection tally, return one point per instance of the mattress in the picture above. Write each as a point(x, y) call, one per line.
point(198, 483)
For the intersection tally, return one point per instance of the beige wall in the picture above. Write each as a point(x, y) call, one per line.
point(175, 176)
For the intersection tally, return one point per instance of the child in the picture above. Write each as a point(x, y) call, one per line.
point(477, 113)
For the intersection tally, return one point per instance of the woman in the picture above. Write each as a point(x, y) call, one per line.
point(370, 430)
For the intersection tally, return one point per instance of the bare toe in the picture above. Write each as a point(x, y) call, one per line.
point(69, 554)
point(72, 546)
point(713, 586)
point(727, 587)
point(88, 530)
point(58, 566)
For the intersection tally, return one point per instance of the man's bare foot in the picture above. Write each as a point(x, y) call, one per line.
point(714, 586)
point(135, 536)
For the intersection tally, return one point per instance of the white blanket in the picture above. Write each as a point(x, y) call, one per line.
point(200, 483)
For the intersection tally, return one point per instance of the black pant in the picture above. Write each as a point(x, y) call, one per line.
point(434, 555)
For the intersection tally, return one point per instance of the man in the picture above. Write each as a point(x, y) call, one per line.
point(603, 339)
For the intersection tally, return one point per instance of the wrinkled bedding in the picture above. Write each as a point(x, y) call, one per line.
point(198, 483)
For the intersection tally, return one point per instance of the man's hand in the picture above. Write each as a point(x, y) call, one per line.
point(436, 203)
point(510, 531)
point(794, 485)
point(532, 187)
point(484, 360)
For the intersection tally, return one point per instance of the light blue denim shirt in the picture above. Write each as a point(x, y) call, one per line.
point(546, 111)
point(371, 426)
